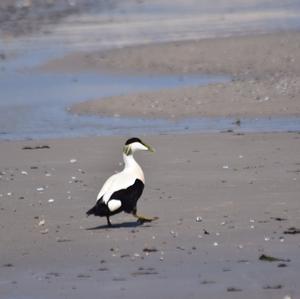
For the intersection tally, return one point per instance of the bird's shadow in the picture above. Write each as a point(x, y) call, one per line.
point(128, 224)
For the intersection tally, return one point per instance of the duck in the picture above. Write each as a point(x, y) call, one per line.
point(121, 191)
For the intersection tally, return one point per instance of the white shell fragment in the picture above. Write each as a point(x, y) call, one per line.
point(173, 233)
point(73, 160)
point(45, 231)
point(199, 219)
point(42, 222)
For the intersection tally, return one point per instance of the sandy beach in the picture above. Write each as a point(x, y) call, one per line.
point(223, 200)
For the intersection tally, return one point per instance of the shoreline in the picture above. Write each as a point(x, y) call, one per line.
point(231, 59)
point(265, 71)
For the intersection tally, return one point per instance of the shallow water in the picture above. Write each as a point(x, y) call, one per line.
point(108, 24)
point(96, 25)
point(34, 105)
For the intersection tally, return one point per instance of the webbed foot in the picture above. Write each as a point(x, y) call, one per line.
point(143, 219)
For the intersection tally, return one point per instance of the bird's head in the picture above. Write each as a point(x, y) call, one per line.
point(136, 144)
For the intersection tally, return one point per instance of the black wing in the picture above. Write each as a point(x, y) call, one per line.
point(129, 196)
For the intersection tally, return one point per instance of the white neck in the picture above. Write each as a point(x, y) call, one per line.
point(129, 161)
point(132, 165)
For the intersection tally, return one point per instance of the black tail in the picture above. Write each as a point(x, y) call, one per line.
point(100, 209)
point(91, 211)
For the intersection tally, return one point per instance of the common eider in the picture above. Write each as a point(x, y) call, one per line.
point(122, 190)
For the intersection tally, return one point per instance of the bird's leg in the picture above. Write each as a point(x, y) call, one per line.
point(142, 219)
point(108, 221)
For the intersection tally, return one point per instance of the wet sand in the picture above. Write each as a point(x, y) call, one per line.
point(222, 200)
point(265, 71)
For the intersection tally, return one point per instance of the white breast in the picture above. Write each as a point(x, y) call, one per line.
point(119, 181)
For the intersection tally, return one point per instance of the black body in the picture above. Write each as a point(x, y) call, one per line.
point(128, 198)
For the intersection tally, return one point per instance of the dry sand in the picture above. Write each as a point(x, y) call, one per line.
point(265, 71)
point(245, 188)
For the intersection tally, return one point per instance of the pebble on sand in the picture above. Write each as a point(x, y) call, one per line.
point(42, 222)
